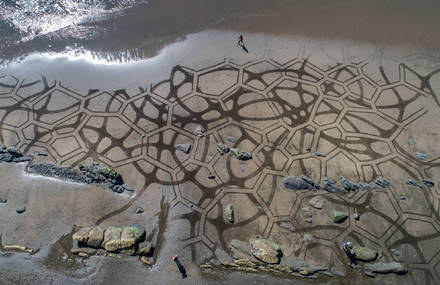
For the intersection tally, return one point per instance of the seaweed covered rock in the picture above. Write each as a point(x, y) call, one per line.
point(90, 236)
point(229, 213)
point(364, 253)
point(339, 217)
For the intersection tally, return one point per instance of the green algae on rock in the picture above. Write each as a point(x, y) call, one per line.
point(265, 250)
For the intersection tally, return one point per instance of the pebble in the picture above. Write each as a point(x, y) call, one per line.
point(212, 177)
point(356, 216)
point(395, 252)
point(428, 182)
point(309, 220)
point(308, 238)
point(20, 209)
point(199, 131)
point(402, 197)
point(411, 141)
point(139, 210)
point(421, 156)
point(287, 226)
point(308, 149)
point(3, 200)
point(231, 139)
point(319, 154)
point(186, 147)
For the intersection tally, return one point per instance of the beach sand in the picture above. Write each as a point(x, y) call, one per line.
point(326, 89)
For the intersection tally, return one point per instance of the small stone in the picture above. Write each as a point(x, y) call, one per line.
point(186, 147)
point(317, 202)
point(139, 210)
point(330, 185)
point(229, 213)
point(83, 255)
point(40, 153)
point(411, 141)
point(382, 182)
point(421, 156)
point(428, 182)
point(143, 136)
point(308, 149)
point(20, 209)
point(222, 148)
point(356, 216)
point(211, 177)
point(199, 131)
point(242, 168)
point(395, 252)
point(287, 226)
point(311, 182)
point(146, 261)
point(339, 217)
point(231, 139)
point(3, 200)
point(402, 197)
point(412, 182)
point(308, 220)
point(319, 154)
point(241, 154)
point(308, 238)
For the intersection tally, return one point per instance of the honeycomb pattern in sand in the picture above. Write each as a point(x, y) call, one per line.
point(353, 114)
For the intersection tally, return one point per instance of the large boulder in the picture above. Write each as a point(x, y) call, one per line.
point(239, 249)
point(131, 235)
point(265, 250)
point(385, 267)
point(91, 236)
point(364, 253)
point(112, 239)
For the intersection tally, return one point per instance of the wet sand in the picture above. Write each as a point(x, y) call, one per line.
point(356, 81)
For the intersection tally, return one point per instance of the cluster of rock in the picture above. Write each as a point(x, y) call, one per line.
point(237, 152)
point(305, 183)
point(87, 172)
point(371, 266)
point(12, 154)
point(128, 240)
point(263, 255)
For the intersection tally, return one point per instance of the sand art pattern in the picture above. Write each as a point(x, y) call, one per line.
point(352, 120)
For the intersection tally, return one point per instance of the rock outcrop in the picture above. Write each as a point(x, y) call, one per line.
point(12, 154)
point(127, 240)
point(186, 147)
point(87, 172)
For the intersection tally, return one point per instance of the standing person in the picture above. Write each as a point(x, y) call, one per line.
point(240, 40)
point(179, 266)
point(347, 246)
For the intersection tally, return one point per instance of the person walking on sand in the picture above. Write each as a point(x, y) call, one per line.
point(240, 40)
point(179, 266)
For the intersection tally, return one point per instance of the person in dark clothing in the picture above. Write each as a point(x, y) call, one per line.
point(179, 266)
point(347, 246)
point(240, 40)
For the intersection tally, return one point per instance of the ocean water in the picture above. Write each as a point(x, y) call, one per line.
point(23, 20)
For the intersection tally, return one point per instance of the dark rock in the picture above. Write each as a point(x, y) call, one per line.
point(186, 147)
point(139, 210)
point(339, 217)
point(40, 153)
point(52, 170)
point(402, 197)
point(265, 250)
point(330, 185)
point(2, 148)
point(127, 188)
point(241, 154)
point(412, 182)
point(308, 149)
point(385, 267)
point(428, 182)
point(231, 139)
point(366, 186)
point(14, 151)
point(145, 248)
point(3, 200)
point(6, 157)
point(20, 209)
point(287, 226)
point(310, 181)
point(356, 216)
point(348, 185)
point(319, 154)
point(229, 213)
point(308, 220)
point(295, 183)
point(222, 148)
point(211, 177)
point(395, 252)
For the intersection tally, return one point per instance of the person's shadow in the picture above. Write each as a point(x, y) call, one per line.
point(181, 268)
point(243, 47)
